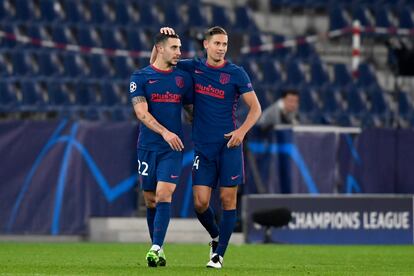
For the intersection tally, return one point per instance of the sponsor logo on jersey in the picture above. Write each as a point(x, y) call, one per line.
point(209, 90)
point(132, 87)
point(152, 81)
point(166, 98)
point(198, 71)
point(224, 78)
point(174, 176)
point(179, 81)
point(235, 177)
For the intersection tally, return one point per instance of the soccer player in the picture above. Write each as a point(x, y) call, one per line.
point(218, 156)
point(158, 93)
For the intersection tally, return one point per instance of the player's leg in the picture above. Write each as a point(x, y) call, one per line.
point(168, 173)
point(231, 175)
point(147, 179)
point(149, 198)
point(204, 178)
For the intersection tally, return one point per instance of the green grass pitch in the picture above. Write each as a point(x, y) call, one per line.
point(190, 259)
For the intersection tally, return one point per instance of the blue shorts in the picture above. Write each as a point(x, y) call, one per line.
point(215, 163)
point(156, 166)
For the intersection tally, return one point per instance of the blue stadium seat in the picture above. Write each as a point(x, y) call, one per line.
point(405, 105)
point(337, 18)
point(332, 102)
point(357, 102)
point(280, 52)
point(5, 63)
point(23, 63)
point(319, 76)
point(58, 95)
point(361, 13)
point(244, 20)
point(88, 36)
point(73, 65)
point(75, 11)
point(114, 38)
point(122, 15)
point(63, 34)
point(366, 76)
point(24, 10)
point(97, 10)
point(148, 18)
point(405, 18)
point(271, 74)
point(48, 12)
point(172, 17)
point(249, 66)
point(382, 17)
point(219, 17)
point(109, 96)
point(100, 66)
point(342, 76)
point(87, 94)
point(295, 76)
point(307, 101)
point(33, 98)
point(197, 18)
point(8, 97)
point(136, 40)
point(380, 109)
point(50, 63)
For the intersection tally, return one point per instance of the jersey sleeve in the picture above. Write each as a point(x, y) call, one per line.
point(188, 97)
point(244, 83)
point(186, 65)
point(136, 85)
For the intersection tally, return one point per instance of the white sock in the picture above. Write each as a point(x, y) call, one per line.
point(155, 247)
point(216, 239)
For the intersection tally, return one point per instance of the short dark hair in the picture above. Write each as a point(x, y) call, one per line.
point(160, 37)
point(290, 92)
point(213, 31)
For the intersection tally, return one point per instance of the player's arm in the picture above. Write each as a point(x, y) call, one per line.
point(188, 113)
point(236, 137)
point(141, 110)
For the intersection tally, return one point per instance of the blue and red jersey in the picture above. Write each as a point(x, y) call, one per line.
point(165, 92)
point(216, 94)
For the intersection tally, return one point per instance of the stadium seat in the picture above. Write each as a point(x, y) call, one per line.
point(24, 10)
point(100, 66)
point(271, 73)
point(122, 12)
point(74, 65)
point(172, 16)
point(295, 75)
point(48, 11)
point(75, 11)
point(382, 17)
point(366, 76)
point(33, 96)
point(319, 76)
point(337, 19)
point(197, 19)
point(219, 17)
point(405, 18)
point(23, 63)
point(89, 36)
point(244, 20)
point(50, 63)
point(147, 16)
point(342, 76)
point(114, 38)
point(8, 97)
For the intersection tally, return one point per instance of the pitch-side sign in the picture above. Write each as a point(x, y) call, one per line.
point(334, 219)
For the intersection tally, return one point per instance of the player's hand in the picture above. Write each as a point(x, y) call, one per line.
point(167, 31)
point(173, 140)
point(236, 138)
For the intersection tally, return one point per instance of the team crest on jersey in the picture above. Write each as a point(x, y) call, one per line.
point(224, 78)
point(179, 81)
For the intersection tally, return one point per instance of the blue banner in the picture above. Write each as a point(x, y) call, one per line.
point(364, 219)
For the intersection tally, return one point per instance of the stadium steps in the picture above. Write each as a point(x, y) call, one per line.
point(135, 230)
